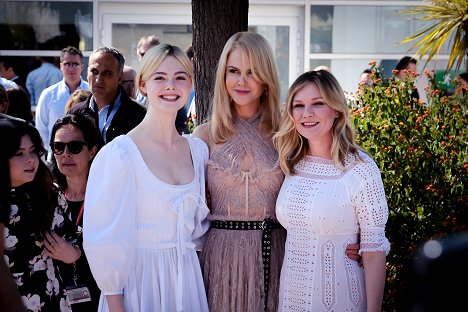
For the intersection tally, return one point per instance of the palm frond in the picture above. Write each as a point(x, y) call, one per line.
point(450, 17)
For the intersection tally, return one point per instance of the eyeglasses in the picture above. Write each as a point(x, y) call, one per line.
point(74, 147)
point(72, 65)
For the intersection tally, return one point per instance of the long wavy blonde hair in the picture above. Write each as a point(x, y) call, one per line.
point(263, 66)
point(292, 146)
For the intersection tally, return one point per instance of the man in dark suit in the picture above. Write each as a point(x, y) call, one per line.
point(113, 111)
point(10, 68)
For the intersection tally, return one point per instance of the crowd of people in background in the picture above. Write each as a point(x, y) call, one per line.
point(106, 205)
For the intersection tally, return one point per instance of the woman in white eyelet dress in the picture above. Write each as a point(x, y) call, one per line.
point(145, 210)
point(332, 196)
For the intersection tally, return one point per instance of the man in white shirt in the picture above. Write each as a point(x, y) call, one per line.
point(7, 83)
point(51, 105)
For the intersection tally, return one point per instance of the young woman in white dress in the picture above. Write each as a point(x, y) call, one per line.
point(144, 207)
point(332, 196)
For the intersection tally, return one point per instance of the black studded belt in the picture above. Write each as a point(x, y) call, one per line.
point(266, 226)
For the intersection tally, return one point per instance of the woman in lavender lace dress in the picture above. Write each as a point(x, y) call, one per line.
point(242, 256)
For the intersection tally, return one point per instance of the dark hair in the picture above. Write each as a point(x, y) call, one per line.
point(10, 144)
point(12, 62)
point(91, 136)
point(376, 74)
point(189, 52)
point(404, 62)
point(114, 52)
point(3, 98)
point(463, 76)
point(40, 189)
point(70, 50)
point(20, 103)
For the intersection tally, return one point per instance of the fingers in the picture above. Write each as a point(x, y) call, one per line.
point(352, 252)
point(57, 248)
point(58, 238)
point(52, 243)
point(354, 257)
point(49, 241)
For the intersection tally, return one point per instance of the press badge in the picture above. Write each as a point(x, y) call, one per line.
point(77, 294)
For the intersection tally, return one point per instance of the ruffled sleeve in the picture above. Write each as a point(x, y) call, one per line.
point(371, 207)
point(202, 224)
point(109, 228)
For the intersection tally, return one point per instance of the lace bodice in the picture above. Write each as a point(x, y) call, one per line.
point(243, 175)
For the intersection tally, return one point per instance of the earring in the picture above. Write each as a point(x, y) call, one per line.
point(266, 92)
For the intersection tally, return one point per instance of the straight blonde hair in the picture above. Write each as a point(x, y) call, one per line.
point(263, 66)
point(155, 56)
point(292, 146)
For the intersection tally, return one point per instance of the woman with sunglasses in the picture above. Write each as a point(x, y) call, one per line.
point(74, 142)
point(32, 216)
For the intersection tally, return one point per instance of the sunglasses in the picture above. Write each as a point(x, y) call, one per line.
point(74, 147)
point(72, 65)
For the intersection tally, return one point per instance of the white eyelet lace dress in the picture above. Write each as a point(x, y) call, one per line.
point(140, 233)
point(324, 209)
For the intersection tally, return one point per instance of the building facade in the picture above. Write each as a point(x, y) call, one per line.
point(342, 35)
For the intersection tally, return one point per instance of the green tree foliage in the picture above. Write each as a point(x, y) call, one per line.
point(421, 150)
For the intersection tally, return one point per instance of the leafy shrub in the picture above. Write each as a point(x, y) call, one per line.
point(421, 151)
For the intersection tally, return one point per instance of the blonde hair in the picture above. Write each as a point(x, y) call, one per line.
point(292, 146)
point(155, 56)
point(76, 97)
point(263, 66)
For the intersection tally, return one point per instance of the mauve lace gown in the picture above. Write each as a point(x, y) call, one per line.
point(244, 180)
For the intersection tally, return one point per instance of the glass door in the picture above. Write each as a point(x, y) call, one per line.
point(124, 24)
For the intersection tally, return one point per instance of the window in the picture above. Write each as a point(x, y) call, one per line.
point(45, 25)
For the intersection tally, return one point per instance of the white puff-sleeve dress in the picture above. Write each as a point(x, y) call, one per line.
point(140, 233)
point(324, 208)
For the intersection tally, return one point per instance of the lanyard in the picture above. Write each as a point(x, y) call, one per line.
point(80, 214)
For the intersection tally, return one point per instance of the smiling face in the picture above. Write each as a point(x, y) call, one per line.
point(313, 118)
point(73, 165)
point(169, 86)
point(24, 164)
point(241, 85)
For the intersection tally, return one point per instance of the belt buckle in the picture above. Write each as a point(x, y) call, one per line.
point(263, 225)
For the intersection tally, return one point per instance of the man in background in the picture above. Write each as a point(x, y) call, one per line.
point(109, 105)
point(407, 70)
point(144, 44)
point(51, 104)
point(128, 81)
point(10, 68)
point(42, 77)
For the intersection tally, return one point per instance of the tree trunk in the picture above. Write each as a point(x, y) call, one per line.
point(465, 31)
point(213, 21)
